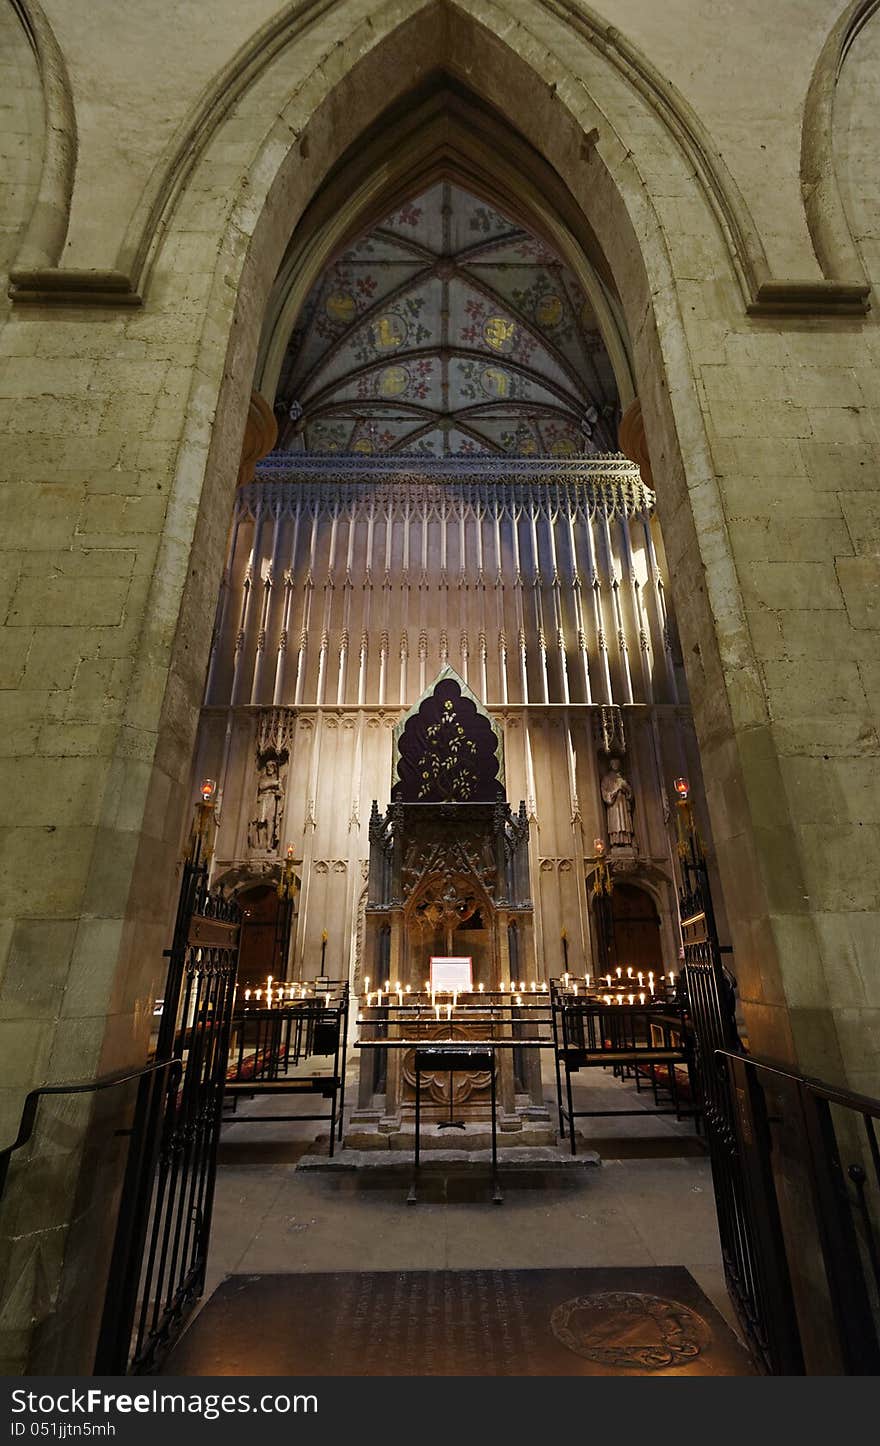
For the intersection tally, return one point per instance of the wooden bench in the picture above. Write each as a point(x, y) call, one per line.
point(594, 1035)
point(304, 1030)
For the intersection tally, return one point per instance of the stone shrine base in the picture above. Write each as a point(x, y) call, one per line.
point(527, 1129)
point(441, 1153)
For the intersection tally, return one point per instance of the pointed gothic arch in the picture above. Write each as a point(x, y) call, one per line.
point(593, 138)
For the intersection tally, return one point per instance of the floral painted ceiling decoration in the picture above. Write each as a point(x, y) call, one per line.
point(447, 330)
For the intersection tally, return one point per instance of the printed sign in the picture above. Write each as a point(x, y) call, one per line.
point(452, 974)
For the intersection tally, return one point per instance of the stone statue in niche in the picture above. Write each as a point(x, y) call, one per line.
point(264, 829)
point(619, 800)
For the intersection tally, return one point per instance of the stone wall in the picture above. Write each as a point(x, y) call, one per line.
point(756, 365)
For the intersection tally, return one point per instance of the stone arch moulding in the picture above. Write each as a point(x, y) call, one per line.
point(44, 236)
point(373, 67)
point(37, 277)
point(827, 220)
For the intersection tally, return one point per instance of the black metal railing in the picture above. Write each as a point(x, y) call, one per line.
point(807, 1167)
point(170, 1205)
point(129, 1100)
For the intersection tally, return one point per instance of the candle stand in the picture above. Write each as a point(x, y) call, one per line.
point(434, 1057)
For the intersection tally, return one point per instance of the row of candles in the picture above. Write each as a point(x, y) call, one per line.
point(633, 980)
point(375, 996)
point(278, 993)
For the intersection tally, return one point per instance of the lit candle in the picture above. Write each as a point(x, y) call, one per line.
point(522, 986)
point(378, 998)
point(629, 974)
point(632, 998)
point(565, 979)
point(619, 972)
point(671, 977)
point(428, 989)
point(247, 994)
point(575, 989)
point(327, 1000)
point(259, 993)
point(606, 998)
point(588, 981)
point(399, 995)
point(408, 990)
point(519, 999)
point(640, 978)
point(608, 980)
point(482, 988)
point(367, 983)
point(534, 987)
point(387, 986)
point(641, 998)
point(437, 1012)
point(620, 998)
point(448, 1013)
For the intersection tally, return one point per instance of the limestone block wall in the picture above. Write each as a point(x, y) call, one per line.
point(741, 276)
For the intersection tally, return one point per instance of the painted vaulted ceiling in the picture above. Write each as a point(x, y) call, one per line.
point(447, 329)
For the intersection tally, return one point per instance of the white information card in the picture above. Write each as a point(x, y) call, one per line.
point(451, 974)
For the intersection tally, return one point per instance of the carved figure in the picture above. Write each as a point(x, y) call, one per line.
point(263, 829)
point(619, 800)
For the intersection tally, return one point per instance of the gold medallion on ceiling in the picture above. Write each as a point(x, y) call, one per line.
point(388, 331)
point(341, 306)
point(364, 446)
point(393, 382)
point(548, 312)
point(498, 333)
point(563, 448)
point(496, 382)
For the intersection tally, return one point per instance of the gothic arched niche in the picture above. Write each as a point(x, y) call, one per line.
point(448, 328)
point(463, 309)
point(447, 749)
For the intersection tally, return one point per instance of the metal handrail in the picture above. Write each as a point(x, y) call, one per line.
point(77, 1087)
point(852, 1345)
point(834, 1094)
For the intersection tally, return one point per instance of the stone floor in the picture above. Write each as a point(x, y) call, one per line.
point(648, 1203)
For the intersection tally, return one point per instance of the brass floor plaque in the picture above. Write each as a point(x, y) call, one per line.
point(653, 1321)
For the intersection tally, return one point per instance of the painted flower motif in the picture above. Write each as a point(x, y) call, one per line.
point(408, 215)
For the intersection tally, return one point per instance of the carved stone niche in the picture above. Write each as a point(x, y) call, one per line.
point(274, 740)
point(608, 730)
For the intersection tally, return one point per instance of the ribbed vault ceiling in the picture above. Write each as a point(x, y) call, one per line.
point(447, 329)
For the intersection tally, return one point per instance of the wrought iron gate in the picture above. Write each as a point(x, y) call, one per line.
point(751, 1242)
point(158, 1270)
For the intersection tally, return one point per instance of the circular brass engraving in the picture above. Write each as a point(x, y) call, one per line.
point(630, 1331)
